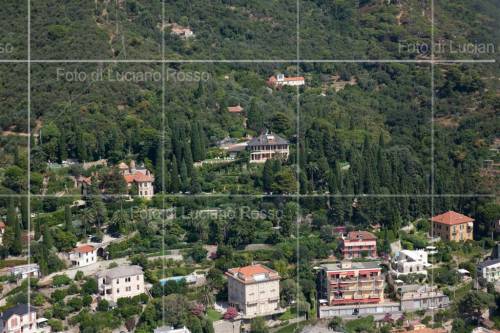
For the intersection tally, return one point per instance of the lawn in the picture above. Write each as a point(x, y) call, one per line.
point(213, 315)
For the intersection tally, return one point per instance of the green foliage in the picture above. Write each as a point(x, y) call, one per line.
point(258, 325)
point(60, 280)
point(103, 306)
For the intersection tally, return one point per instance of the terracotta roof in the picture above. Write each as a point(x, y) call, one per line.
point(360, 235)
point(138, 177)
point(295, 78)
point(451, 218)
point(141, 177)
point(248, 273)
point(287, 79)
point(235, 109)
point(84, 249)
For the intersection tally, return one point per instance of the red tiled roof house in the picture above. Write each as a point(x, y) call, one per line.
point(453, 226)
point(359, 244)
point(140, 176)
point(254, 290)
point(83, 255)
point(280, 80)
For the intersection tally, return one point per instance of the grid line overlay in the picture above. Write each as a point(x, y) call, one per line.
point(298, 196)
point(29, 149)
point(299, 142)
point(162, 153)
point(433, 146)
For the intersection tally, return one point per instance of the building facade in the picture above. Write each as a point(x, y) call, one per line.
point(19, 319)
point(254, 290)
point(140, 176)
point(423, 298)
point(24, 271)
point(280, 80)
point(411, 262)
point(268, 146)
point(347, 282)
point(453, 226)
point(359, 244)
point(119, 282)
point(490, 270)
point(83, 255)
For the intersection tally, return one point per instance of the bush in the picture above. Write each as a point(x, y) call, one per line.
point(56, 325)
point(60, 280)
point(79, 276)
point(103, 306)
point(86, 300)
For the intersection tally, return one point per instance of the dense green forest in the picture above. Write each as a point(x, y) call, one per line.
point(364, 128)
point(366, 145)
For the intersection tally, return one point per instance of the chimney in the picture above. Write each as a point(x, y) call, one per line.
point(132, 167)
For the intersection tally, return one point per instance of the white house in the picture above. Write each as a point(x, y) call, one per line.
point(23, 271)
point(280, 80)
point(83, 255)
point(268, 146)
point(182, 32)
point(411, 262)
point(490, 270)
point(119, 282)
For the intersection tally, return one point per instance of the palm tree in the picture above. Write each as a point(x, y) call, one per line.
point(88, 218)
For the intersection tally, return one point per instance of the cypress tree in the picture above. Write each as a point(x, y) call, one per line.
point(68, 219)
point(188, 158)
point(16, 247)
point(195, 182)
point(203, 142)
point(184, 176)
point(174, 183)
point(196, 143)
point(11, 213)
point(44, 267)
point(24, 212)
point(48, 242)
point(267, 176)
